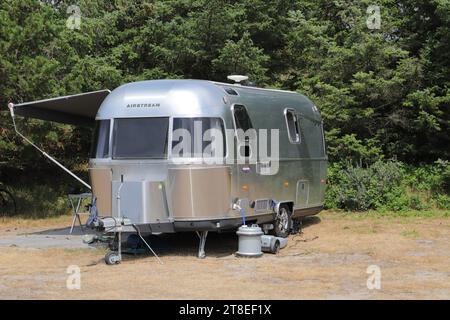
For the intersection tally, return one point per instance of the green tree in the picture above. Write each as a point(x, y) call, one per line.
point(242, 57)
point(383, 93)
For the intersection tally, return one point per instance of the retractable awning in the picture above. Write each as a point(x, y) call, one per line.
point(75, 109)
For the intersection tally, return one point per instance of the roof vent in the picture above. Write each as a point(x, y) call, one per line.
point(237, 78)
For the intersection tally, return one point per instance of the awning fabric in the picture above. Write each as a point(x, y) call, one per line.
point(75, 109)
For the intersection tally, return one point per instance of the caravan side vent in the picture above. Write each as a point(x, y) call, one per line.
point(262, 205)
point(231, 91)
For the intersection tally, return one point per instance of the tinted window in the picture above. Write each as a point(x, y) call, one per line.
point(100, 142)
point(138, 138)
point(324, 147)
point(199, 126)
point(292, 126)
point(231, 91)
point(241, 118)
point(313, 133)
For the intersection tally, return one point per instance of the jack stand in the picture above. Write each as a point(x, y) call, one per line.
point(201, 248)
point(113, 257)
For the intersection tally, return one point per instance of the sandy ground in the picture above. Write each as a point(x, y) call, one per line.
point(329, 260)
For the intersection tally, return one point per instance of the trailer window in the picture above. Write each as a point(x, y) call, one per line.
point(323, 146)
point(195, 147)
point(292, 126)
point(241, 118)
point(314, 140)
point(100, 142)
point(140, 138)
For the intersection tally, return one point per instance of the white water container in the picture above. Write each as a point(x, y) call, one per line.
point(249, 241)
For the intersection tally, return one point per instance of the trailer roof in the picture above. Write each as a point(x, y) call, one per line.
point(84, 108)
point(239, 86)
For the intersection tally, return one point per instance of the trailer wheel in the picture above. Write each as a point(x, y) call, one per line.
point(112, 258)
point(283, 222)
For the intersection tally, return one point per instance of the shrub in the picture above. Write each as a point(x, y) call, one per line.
point(442, 201)
point(363, 188)
point(388, 185)
point(434, 178)
point(417, 203)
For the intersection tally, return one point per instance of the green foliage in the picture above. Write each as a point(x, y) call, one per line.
point(41, 200)
point(374, 87)
point(242, 57)
point(359, 188)
point(388, 185)
point(443, 201)
point(350, 148)
point(383, 93)
point(433, 177)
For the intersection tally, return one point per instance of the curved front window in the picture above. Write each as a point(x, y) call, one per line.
point(100, 142)
point(140, 138)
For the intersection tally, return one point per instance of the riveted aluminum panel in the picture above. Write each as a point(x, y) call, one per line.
point(199, 193)
point(101, 189)
point(141, 201)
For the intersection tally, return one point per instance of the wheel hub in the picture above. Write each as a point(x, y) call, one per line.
point(283, 219)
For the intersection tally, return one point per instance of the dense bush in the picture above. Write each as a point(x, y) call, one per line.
point(388, 185)
point(433, 178)
point(43, 194)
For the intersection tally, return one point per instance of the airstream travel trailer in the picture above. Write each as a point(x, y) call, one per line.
point(133, 155)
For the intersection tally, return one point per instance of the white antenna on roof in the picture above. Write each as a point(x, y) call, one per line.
point(237, 78)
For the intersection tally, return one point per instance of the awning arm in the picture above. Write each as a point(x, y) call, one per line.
point(11, 110)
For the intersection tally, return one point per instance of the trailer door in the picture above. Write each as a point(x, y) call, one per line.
point(246, 152)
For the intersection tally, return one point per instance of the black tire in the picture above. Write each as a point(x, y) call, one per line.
point(7, 203)
point(283, 222)
point(112, 258)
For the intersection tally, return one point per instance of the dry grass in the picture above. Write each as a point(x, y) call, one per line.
point(329, 260)
point(16, 225)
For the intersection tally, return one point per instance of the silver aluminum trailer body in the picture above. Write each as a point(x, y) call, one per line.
point(160, 194)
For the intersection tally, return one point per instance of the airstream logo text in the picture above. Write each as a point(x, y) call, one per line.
point(143, 105)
